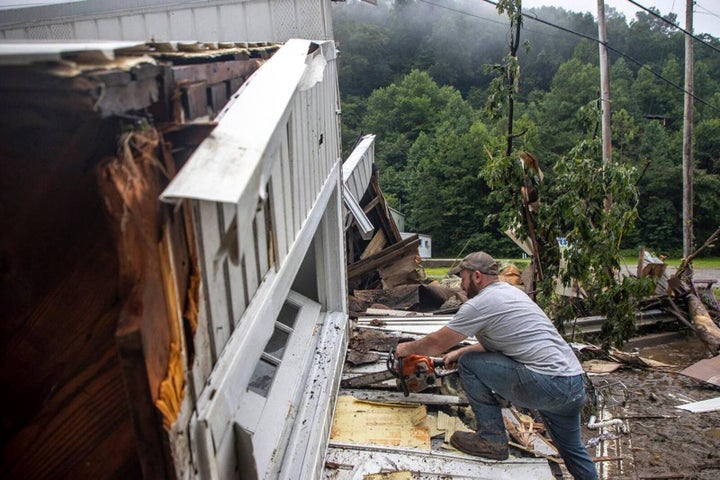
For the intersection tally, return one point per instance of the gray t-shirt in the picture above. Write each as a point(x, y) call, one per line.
point(504, 319)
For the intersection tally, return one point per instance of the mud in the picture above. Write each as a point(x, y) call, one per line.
point(663, 441)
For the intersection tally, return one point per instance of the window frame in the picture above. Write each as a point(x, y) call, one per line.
point(288, 381)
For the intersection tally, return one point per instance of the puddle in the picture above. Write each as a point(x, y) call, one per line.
point(681, 353)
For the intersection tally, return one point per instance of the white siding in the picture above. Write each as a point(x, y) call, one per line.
point(168, 20)
point(271, 168)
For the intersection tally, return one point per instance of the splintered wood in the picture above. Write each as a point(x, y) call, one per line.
point(448, 425)
point(705, 327)
point(380, 424)
point(525, 431)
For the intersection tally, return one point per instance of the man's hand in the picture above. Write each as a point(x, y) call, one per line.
point(403, 349)
point(451, 358)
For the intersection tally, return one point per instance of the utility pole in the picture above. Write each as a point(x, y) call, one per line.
point(687, 134)
point(604, 85)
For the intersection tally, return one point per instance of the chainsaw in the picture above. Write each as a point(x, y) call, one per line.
point(413, 373)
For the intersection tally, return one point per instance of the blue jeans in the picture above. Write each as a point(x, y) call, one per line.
point(558, 399)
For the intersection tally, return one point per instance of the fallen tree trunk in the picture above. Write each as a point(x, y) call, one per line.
point(705, 328)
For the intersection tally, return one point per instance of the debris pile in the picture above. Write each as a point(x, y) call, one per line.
point(391, 301)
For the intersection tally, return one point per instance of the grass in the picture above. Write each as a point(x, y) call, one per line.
point(710, 262)
point(438, 273)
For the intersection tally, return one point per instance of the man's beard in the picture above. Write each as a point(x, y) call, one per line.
point(472, 289)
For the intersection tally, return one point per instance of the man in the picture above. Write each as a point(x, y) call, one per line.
point(519, 355)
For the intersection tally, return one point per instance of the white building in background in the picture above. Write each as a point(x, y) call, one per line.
point(425, 245)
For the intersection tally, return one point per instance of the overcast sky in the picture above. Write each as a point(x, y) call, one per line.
point(705, 20)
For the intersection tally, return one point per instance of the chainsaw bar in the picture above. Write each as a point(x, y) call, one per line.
point(366, 379)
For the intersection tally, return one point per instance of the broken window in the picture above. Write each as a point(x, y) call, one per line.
point(264, 373)
point(282, 362)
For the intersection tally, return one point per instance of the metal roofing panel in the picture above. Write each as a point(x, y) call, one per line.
point(352, 461)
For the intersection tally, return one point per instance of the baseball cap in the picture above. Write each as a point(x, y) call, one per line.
point(480, 261)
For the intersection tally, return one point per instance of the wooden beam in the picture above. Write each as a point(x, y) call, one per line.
point(376, 245)
point(216, 72)
point(388, 224)
point(381, 258)
point(147, 421)
point(196, 105)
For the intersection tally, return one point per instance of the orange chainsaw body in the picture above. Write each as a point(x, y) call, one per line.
point(417, 372)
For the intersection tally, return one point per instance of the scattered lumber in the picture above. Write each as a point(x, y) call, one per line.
point(410, 297)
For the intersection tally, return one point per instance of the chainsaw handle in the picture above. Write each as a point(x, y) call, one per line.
point(401, 377)
point(394, 365)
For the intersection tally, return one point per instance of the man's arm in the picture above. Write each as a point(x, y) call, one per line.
point(432, 344)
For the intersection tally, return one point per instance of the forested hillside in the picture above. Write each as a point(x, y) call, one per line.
point(418, 74)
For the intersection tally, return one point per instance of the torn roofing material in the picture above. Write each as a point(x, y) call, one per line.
point(27, 53)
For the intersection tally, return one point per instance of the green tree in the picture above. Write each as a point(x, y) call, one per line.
point(575, 84)
point(399, 113)
point(447, 197)
point(660, 206)
point(707, 145)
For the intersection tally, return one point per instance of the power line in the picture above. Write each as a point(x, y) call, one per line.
point(504, 24)
point(609, 47)
point(654, 14)
point(708, 12)
point(587, 37)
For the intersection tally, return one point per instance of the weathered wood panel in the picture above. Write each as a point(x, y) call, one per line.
point(65, 411)
point(148, 330)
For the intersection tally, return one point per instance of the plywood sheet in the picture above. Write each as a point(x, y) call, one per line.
point(598, 366)
point(403, 475)
point(378, 424)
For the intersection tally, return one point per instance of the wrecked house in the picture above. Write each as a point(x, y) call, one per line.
point(174, 264)
point(150, 290)
point(173, 270)
point(180, 236)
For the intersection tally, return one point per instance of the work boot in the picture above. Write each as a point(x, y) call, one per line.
point(472, 444)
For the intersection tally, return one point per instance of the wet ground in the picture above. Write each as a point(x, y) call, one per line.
point(663, 442)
